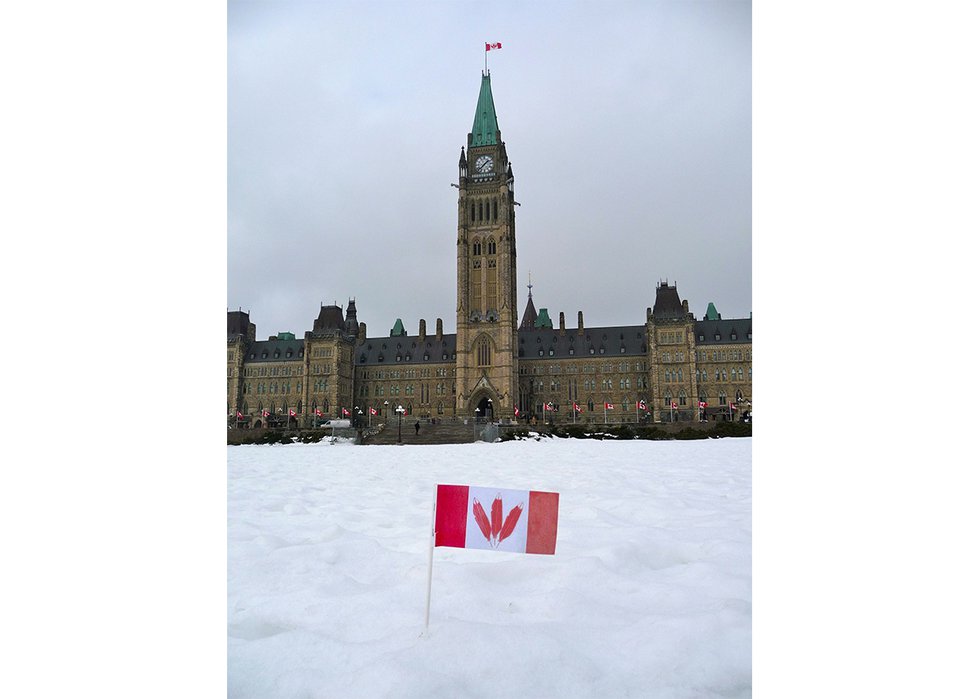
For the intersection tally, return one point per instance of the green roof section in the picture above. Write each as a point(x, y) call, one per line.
point(485, 122)
point(543, 321)
point(711, 313)
point(285, 336)
point(399, 329)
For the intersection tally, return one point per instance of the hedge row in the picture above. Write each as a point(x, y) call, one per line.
point(273, 436)
point(721, 429)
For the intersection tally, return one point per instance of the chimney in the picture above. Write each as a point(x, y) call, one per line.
point(438, 329)
point(422, 330)
point(361, 333)
point(561, 323)
point(581, 323)
point(684, 304)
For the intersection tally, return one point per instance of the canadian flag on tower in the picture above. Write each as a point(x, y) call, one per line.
point(529, 526)
point(491, 47)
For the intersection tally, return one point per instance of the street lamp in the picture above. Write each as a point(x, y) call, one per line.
point(386, 411)
point(400, 410)
point(490, 407)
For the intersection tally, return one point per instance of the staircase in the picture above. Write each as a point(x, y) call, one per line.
point(442, 433)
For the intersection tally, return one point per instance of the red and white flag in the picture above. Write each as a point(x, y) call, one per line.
point(673, 405)
point(609, 406)
point(265, 413)
point(641, 405)
point(731, 406)
point(702, 404)
point(319, 413)
point(240, 416)
point(473, 517)
point(516, 412)
point(498, 45)
point(344, 411)
point(373, 411)
point(577, 408)
point(292, 413)
point(548, 406)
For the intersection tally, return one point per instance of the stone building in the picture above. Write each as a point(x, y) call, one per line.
point(670, 367)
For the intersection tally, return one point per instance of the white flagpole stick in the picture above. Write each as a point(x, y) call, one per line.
point(432, 546)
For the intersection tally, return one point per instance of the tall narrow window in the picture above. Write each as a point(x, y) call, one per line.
point(483, 352)
point(494, 209)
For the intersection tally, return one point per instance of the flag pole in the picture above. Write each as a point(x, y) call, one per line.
point(432, 545)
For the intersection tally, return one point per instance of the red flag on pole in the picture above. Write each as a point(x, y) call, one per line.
point(609, 406)
point(491, 47)
point(641, 405)
point(344, 411)
point(673, 405)
point(240, 416)
point(577, 408)
point(373, 411)
point(548, 406)
point(516, 412)
point(292, 413)
point(530, 525)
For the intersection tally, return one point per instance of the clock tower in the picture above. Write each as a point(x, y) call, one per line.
point(486, 271)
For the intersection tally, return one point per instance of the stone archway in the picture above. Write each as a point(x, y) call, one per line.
point(484, 408)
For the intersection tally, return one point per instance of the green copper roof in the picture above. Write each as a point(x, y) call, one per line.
point(399, 329)
point(711, 313)
point(485, 122)
point(285, 336)
point(543, 321)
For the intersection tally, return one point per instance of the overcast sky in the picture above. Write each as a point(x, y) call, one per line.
point(628, 126)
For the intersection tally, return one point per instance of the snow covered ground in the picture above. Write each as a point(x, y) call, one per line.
point(649, 593)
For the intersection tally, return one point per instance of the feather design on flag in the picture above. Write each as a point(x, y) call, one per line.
point(481, 518)
point(496, 518)
point(511, 522)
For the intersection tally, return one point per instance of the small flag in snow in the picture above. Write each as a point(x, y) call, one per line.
point(529, 526)
point(498, 45)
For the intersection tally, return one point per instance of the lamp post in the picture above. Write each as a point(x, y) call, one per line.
point(490, 406)
point(400, 410)
point(386, 411)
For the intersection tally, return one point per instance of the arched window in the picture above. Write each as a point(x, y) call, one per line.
point(477, 248)
point(494, 209)
point(483, 352)
point(491, 247)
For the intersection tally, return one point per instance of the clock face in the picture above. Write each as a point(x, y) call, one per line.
point(484, 164)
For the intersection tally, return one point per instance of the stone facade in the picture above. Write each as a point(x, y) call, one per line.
point(669, 368)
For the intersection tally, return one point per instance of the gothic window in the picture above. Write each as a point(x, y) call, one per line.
point(472, 211)
point(491, 247)
point(483, 352)
point(494, 209)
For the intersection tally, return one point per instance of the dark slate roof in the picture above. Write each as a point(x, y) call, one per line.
point(275, 351)
point(237, 323)
point(620, 340)
point(330, 318)
point(404, 349)
point(741, 327)
point(530, 314)
point(668, 304)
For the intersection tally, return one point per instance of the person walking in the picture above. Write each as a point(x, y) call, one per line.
point(417, 426)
